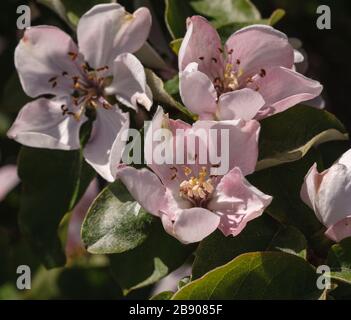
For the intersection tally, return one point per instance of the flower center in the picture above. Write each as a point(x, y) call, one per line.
point(88, 89)
point(230, 80)
point(196, 189)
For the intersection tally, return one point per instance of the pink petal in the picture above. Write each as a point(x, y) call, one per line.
point(237, 202)
point(105, 147)
point(74, 243)
point(333, 201)
point(195, 224)
point(283, 88)
point(242, 144)
point(129, 82)
point(145, 187)
point(258, 47)
point(41, 58)
point(240, 104)
point(317, 102)
point(197, 91)
point(340, 230)
point(8, 180)
point(202, 45)
point(171, 173)
point(345, 159)
point(311, 186)
point(110, 28)
point(41, 124)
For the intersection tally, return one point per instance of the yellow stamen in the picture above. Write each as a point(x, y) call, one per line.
point(196, 189)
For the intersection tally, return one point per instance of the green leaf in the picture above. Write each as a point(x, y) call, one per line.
point(216, 249)
point(161, 96)
point(176, 13)
point(70, 11)
point(290, 240)
point(259, 275)
point(287, 136)
point(115, 222)
point(284, 183)
point(175, 45)
point(172, 85)
point(13, 97)
point(166, 295)
point(261, 234)
point(52, 185)
point(157, 256)
point(276, 16)
point(227, 11)
point(339, 261)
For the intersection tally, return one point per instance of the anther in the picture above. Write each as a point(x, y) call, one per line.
point(102, 68)
point(187, 171)
point(201, 58)
point(52, 79)
point(214, 60)
point(73, 55)
point(262, 73)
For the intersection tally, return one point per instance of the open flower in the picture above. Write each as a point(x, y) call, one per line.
point(82, 80)
point(329, 195)
point(191, 201)
point(250, 76)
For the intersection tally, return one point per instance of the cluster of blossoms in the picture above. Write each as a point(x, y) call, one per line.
point(229, 86)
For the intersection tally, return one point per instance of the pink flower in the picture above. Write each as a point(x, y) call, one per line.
point(251, 76)
point(74, 245)
point(8, 180)
point(329, 195)
point(80, 79)
point(190, 201)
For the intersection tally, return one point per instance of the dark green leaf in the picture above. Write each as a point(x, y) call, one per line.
point(225, 31)
point(287, 136)
point(289, 240)
point(52, 185)
point(115, 222)
point(176, 13)
point(157, 256)
point(161, 96)
point(339, 261)
point(217, 249)
point(172, 86)
point(70, 11)
point(13, 96)
point(227, 11)
point(260, 275)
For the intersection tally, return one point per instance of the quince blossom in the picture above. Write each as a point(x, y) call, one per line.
point(82, 80)
point(251, 76)
point(190, 201)
point(328, 193)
